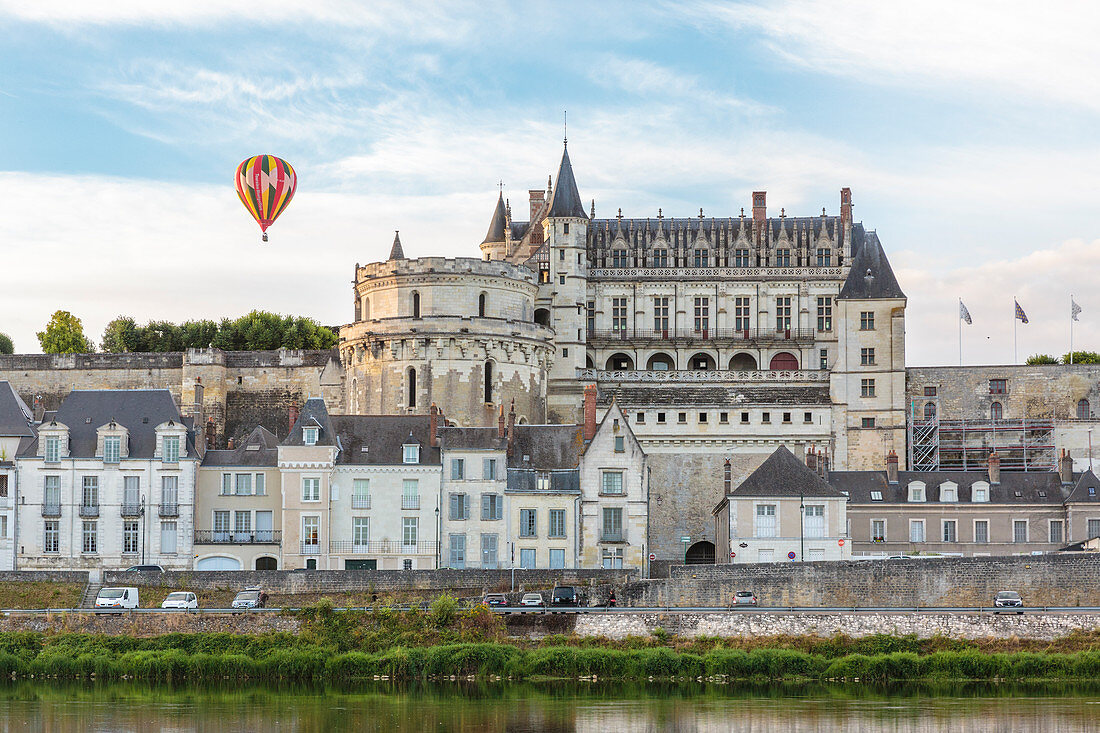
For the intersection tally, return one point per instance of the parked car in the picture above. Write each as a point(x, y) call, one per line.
point(563, 595)
point(250, 598)
point(531, 599)
point(744, 598)
point(493, 600)
point(145, 569)
point(180, 599)
point(126, 597)
point(1008, 599)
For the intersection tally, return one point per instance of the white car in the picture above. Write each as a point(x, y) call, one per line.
point(180, 599)
point(531, 599)
point(117, 598)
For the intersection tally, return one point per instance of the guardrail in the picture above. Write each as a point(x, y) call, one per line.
point(605, 609)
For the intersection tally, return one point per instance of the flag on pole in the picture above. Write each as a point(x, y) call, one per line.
point(1074, 310)
point(1020, 315)
point(965, 314)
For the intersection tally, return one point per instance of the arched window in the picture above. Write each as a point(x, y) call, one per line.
point(620, 362)
point(929, 410)
point(660, 363)
point(416, 304)
point(366, 309)
point(481, 308)
point(784, 362)
point(743, 362)
point(358, 308)
point(1082, 409)
point(488, 381)
point(412, 387)
point(701, 363)
point(996, 412)
point(542, 316)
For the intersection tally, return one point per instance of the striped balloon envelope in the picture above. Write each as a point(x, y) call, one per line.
point(266, 186)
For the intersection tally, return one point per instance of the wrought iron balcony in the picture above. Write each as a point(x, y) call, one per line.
point(690, 335)
point(225, 537)
point(89, 510)
point(360, 502)
point(410, 502)
point(382, 547)
point(131, 509)
point(169, 510)
point(51, 510)
point(310, 548)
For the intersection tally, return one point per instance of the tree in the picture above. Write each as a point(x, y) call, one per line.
point(1041, 359)
point(1082, 357)
point(64, 334)
point(6, 345)
point(122, 334)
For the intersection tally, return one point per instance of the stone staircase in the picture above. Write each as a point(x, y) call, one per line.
point(91, 591)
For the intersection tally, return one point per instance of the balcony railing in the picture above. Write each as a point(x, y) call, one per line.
point(360, 502)
point(686, 376)
point(410, 502)
point(169, 510)
point(131, 510)
point(89, 510)
point(612, 536)
point(225, 537)
point(5, 502)
point(746, 335)
point(382, 547)
point(310, 548)
point(51, 510)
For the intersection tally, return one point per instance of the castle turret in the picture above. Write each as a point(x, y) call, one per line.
point(495, 244)
point(566, 233)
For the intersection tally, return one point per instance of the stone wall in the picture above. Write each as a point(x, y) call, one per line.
point(50, 576)
point(375, 581)
point(1040, 391)
point(1042, 580)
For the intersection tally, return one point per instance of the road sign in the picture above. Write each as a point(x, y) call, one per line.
point(840, 542)
point(733, 554)
point(791, 555)
point(685, 538)
point(652, 556)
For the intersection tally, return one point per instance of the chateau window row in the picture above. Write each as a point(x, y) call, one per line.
point(489, 545)
point(112, 449)
point(724, 418)
point(89, 496)
point(948, 531)
point(90, 542)
point(619, 257)
point(996, 409)
point(661, 362)
point(699, 311)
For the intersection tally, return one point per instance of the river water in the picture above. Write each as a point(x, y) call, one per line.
point(556, 708)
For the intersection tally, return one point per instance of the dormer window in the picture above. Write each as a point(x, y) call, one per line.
point(1092, 491)
point(876, 496)
point(112, 448)
point(309, 436)
point(410, 453)
point(53, 449)
point(916, 491)
point(979, 492)
point(949, 493)
point(170, 452)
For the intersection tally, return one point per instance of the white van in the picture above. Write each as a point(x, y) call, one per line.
point(117, 598)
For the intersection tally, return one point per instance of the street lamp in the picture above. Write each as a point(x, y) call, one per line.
point(801, 526)
point(143, 530)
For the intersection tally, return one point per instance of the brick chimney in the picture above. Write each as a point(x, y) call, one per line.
point(1065, 467)
point(433, 426)
point(500, 423)
point(293, 415)
point(211, 434)
point(727, 478)
point(994, 468)
point(811, 459)
point(512, 428)
point(538, 199)
point(845, 208)
point(231, 445)
point(892, 467)
point(590, 412)
point(759, 214)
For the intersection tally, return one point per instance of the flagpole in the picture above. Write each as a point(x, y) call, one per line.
point(1071, 328)
point(960, 332)
point(1015, 351)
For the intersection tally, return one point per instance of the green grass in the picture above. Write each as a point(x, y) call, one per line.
point(40, 594)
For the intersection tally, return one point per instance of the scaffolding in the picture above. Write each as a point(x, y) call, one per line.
point(965, 445)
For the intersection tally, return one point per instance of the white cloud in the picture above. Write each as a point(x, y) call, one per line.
point(1043, 51)
point(645, 78)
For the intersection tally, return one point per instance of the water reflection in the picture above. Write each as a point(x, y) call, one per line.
point(554, 708)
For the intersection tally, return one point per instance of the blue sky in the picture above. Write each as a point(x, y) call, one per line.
point(967, 135)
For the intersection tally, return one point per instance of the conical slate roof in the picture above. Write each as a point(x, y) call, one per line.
point(396, 253)
point(871, 276)
point(566, 199)
point(782, 474)
point(496, 226)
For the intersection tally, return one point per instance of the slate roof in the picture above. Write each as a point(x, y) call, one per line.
point(496, 231)
point(16, 419)
point(1081, 491)
point(138, 410)
point(396, 252)
point(784, 475)
point(313, 413)
point(549, 447)
point(704, 395)
point(454, 438)
point(871, 276)
point(643, 232)
point(260, 448)
point(1035, 487)
point(383, 436)
point(566, 199)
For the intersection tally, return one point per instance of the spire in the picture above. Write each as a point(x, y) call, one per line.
point(396, 253)
point(496, 231)
point(566, 199)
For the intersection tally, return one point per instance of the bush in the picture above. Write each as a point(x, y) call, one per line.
point(443, 611)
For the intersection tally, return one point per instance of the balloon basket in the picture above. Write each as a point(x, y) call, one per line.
point(265, 236)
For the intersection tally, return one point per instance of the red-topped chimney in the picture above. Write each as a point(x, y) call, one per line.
point(811, 459)
point(590, 412)
point(293, 415)
point(433, 426)
point(1065, 468)
point(994, 468)
point(512, 428)
point(892, 467)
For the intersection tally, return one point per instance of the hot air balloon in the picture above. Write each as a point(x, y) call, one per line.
point(266, 185)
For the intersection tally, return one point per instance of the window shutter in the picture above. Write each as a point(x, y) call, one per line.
point(485, 506)
point(465, 506)
point(486, 471)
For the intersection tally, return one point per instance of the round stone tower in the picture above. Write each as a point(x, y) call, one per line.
point(456, 332)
